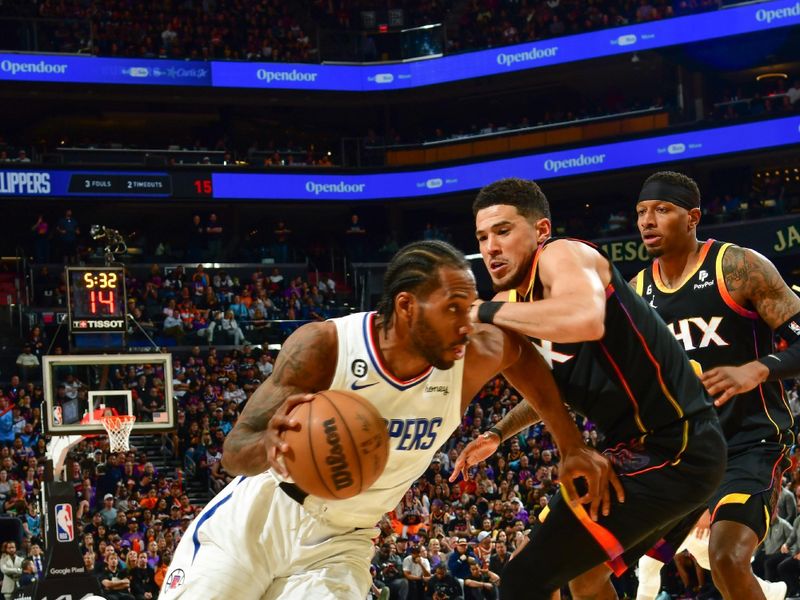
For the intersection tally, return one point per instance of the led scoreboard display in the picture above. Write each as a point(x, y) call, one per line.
point(97, 301)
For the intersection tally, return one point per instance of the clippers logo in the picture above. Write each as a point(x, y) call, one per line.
point(65, 529)
point(175, 579)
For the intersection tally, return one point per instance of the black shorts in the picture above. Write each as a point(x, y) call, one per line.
point(657, 495)
point(748, 495)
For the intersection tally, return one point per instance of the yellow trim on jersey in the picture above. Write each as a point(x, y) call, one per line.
point(543, 515)
point(766, 531)
point(735, 498)
point(640, 283)
point(512, 295)
point(700, 259)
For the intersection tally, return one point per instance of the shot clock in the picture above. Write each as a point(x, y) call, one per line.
point(97, 301)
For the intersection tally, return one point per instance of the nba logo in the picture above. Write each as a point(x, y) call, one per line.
point(65, 530)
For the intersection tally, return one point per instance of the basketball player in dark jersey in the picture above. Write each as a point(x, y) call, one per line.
point(723, 303)
point(616, 363)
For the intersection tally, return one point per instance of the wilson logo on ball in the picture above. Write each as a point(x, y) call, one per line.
point(340, 470)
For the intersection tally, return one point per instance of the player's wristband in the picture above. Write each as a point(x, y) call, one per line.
point(786, 364)
point(488, 310)
point(495, 431)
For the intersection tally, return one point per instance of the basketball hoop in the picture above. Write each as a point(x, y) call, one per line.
point(119, 431)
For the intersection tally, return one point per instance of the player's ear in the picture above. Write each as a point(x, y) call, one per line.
point(694, 217)
point(543, 228)
point(404, 306)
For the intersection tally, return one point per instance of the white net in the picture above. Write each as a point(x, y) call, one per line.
point(119, 431)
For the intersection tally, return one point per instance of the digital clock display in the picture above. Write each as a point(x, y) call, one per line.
point(97, 300)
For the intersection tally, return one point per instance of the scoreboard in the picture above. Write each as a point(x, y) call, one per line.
point(101, 183)
point(97, 301)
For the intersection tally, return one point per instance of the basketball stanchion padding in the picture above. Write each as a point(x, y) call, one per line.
point(119, 431)
point(341, 447)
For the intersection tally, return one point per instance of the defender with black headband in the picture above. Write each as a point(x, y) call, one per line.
point(723, 303)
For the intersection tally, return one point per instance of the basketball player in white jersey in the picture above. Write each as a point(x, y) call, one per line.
point(420, 361)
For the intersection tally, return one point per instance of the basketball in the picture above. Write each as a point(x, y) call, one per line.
point(341, 447)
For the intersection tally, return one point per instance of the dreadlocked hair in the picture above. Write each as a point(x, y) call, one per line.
point(415, 269)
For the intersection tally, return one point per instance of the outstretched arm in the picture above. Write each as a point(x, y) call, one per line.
point(485, 445)
point(573, 308)
point(531, 376)
point(753, 280)
point(305, 365)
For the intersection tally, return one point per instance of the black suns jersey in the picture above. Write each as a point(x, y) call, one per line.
point(714, 331)
point(634, 382)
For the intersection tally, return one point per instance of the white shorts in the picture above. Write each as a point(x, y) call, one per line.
point(253, 542)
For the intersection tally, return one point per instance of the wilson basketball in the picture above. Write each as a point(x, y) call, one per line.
point(341, 447)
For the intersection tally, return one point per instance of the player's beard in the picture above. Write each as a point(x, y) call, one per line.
point(654, 252)
point(515, 279)
point(428, 344)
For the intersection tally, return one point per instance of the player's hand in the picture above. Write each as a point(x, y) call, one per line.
point(280, 422)
point(723, 383)
point(703, 527)
point(481, 448)
point(784, 549)
point(596, 469)
point(473, 311)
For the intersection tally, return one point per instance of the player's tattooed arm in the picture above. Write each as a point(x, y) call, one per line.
point(753, 282)
point(305, 365)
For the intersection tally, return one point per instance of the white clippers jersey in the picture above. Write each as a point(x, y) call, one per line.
point(420, 413)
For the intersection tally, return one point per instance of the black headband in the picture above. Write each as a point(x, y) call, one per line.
point(668, 192)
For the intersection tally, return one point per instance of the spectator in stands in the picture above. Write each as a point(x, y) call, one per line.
point(143, 584)
point(11, 567)
point(67, 231)
point(356, 239)
point(459, 560)
point(443, 586)
point(37, 558)
point(390, 571)
point(108, 512)
point(280, 250)
point(417, 571)
point(28, 365)
point(174, 327)
point(230, 327)
point(29, 575)
point(214, 238)
point(480, 584)
point(41, 240)
point(114, 580)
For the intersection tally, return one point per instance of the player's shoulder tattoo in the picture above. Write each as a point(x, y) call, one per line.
point(735, 269)
point(306, 354)
point(756, 281)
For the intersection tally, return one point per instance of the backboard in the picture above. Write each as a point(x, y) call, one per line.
point(80, 389)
